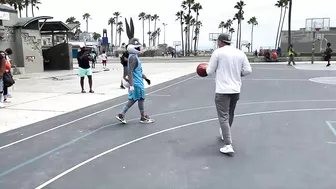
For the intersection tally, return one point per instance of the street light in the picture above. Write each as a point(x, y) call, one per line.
point(164, 32)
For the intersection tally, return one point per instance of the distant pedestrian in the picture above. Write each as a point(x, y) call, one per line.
point(291, 54)
point(230, 65)
point(9, 54)
point(104, 59)
point(124, 63)
point(84, 68)
point(2, 71)
point(328, 53)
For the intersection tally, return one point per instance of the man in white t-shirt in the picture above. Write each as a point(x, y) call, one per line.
point(230, 65)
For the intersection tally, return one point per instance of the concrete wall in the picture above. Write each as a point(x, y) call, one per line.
point(58, 57)
point(30, 54)
point(303, 41)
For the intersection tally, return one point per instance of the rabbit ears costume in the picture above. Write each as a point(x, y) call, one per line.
point(134, 46)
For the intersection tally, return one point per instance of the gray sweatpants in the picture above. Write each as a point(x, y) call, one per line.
point(225, 105)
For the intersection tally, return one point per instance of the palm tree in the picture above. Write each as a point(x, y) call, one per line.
point(72, 20)
point(285, 4)
point(149, 18)
point(187, 5)
point(221, 26)
point(96, 36)
point(86, 17)
point(120, 29)
point(142, 17)
point(154, 18)
point(116, 16)
point(26, 3)
point(253, 21)
point(158, 31)
point(228, 25)
point(192, 23)
point(279, 4)
point(196, 8)
point(111, 22)
point(18, 5)
point(197, 31)
point(187, 19)
point(34, 3)
point(239, 16)
point(231, 31)
point(180, 16)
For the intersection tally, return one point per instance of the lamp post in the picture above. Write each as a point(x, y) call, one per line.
point(164, 32)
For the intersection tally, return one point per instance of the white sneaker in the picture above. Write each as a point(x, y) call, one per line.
point(2, 105)
point(221, 134)
point(227, 149)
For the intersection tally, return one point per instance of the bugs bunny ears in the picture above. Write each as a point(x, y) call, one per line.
point(134, 46)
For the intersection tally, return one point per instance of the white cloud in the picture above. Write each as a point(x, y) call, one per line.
point(213, 12)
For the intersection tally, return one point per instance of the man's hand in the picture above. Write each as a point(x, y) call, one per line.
point(148, 81)
point(131, 89)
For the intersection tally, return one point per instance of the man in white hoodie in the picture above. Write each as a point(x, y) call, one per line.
point(230, 65)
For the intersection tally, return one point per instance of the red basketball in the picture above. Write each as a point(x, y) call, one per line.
point(201, 69)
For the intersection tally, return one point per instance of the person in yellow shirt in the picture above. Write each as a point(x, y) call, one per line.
point(291, 54)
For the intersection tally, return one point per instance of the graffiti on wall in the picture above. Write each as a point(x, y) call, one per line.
point(7, 34)
point(32, 42)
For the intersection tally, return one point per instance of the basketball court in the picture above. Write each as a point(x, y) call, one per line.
point(284, 136)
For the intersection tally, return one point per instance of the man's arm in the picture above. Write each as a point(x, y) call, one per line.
point(133, 63)
point(2, 66)
point(213, 63)
point(246, 69)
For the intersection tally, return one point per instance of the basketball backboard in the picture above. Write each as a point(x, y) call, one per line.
point(213, 36)
point(177, 43)
point(317, 24)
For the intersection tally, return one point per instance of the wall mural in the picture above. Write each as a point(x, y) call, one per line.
point(7, 34)
point(31, 41)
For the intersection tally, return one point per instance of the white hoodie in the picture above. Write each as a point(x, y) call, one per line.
point(230, 65)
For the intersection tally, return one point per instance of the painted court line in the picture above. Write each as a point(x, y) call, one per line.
point(331, 127)
point(247, 103)
point(166, 130)
point(87, 116)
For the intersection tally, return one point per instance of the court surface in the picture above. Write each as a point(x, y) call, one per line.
point(284, 137)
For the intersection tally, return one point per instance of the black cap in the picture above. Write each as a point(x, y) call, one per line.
point(224, 37)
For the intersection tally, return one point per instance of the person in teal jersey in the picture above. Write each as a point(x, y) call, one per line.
point(135, 79)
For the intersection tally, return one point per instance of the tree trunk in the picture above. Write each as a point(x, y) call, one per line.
point(283, 20)
point(32, 9)
point(143, 31)
point(116, 34)
point(111, 34)
point(182, 44)
point(277, 37)
point(222, 29)
point(240, 35)
point(26, 3)
point(289, 22)
point(87, 25)
point(119, 39)
point(158, 39)
point(237, 41)
point(148, 34)
point(195, 43)
point(186, 42)
point(252, 38)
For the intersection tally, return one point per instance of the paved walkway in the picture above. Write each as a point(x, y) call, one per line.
point(41, 96)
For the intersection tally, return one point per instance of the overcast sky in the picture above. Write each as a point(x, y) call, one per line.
point(213, 12)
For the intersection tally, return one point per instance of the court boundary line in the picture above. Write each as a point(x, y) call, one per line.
point(166, 130)
point(239, 104)
point(89, 115)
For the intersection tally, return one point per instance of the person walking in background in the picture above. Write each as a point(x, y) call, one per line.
point(230, 65)
point(2, 71)
point(123, 61)
point(5, 88)
point(84, 68)
point(9, 54)
point(328, 53)
point(104, 59)
point(291, 54)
